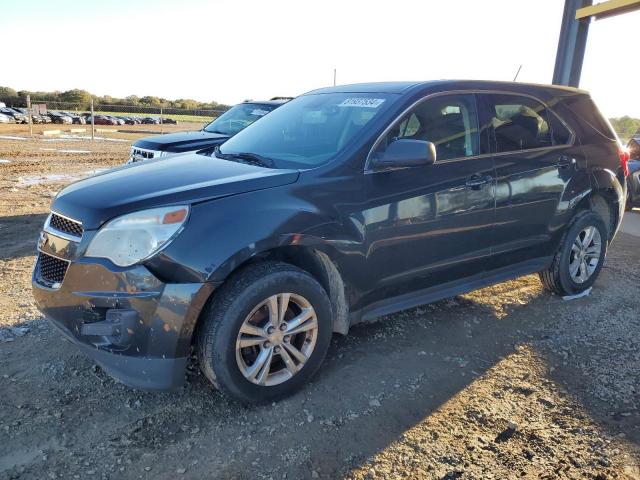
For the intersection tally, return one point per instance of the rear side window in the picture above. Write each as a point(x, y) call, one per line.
point(521, 123)
point(450, 122)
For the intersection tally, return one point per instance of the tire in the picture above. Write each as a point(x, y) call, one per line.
point(558, 277)
point(235, 305)
point(628, 206)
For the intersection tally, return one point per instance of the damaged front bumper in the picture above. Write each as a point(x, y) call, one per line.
point(137, 327)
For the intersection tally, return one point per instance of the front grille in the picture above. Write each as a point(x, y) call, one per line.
point(51, 269)
point(65, 225)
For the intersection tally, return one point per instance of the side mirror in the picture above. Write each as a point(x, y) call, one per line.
point(406, 152)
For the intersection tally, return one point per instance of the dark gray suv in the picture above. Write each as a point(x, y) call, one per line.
point(342, 205)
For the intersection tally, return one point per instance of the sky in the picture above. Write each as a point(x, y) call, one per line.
point(231, 50)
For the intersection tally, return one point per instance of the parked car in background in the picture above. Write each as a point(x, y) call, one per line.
point(75, 118)
point(346, 204)
point(17, 116)
point(213, 134)
point(60, 118)
point(128, 120)
point(101, 120)
point(151, 120)
point(169, 121)
point(46, 118)
point(115, 120)
point(633, 198)
point(35, 117)
point(6, 118)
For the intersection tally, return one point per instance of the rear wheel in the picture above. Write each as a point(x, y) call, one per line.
point(579, 260)
point(266, 333)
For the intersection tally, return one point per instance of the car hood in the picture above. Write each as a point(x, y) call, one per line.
point(181, 179)
point(182, 141)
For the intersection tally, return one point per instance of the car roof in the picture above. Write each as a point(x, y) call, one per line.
point(278, 101)
point(403, 87)
point(372, 87)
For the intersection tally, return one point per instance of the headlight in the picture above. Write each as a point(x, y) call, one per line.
point(134, 237)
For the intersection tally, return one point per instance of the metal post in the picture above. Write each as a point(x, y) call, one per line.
point(161, 130)
point(334, 77)
point(571, 44)
point(29, 115)
point(93, 123)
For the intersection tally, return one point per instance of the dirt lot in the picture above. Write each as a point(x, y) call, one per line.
point(505, 382)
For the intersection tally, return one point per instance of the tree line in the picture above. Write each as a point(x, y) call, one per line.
point(626, 126)
point(83, 98)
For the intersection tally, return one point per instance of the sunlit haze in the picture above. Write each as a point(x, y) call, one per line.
point(228, 51)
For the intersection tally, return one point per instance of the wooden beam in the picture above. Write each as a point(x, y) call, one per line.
point(608, 8)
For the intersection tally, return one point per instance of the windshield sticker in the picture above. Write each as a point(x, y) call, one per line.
point(362, 102)
point(259, 112)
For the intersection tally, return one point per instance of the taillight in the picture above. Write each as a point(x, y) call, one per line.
point(624, 155)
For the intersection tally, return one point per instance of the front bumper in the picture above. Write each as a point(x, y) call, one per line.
point(138, 328)
point(156, 374)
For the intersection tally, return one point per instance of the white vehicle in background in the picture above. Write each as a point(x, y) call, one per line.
point(6, 118)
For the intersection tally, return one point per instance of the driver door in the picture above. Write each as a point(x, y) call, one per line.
point(429, 225)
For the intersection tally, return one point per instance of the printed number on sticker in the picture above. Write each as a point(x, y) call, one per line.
point(362, 102)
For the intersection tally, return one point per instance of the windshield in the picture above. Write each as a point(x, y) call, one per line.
point(238, 118)
point(310, 130)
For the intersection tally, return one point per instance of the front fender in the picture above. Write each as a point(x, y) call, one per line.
point(225, 233)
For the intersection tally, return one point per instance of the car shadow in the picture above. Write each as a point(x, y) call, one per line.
point(19, 234)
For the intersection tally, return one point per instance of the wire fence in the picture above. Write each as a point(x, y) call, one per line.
point(104, 117)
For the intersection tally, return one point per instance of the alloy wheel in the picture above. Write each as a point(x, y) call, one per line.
point(585, 254)
point(276, 339)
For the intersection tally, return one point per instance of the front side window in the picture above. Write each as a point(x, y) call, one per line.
point(309, 130)
point(522, 123)
point(238, 118)
point(449, 122)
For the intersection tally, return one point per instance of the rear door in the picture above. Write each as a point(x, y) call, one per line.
point(535, 161)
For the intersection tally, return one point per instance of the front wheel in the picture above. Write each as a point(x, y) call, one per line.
point(579, 260)
point(266, 333)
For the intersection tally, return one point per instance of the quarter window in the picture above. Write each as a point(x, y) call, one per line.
point(449, 122)
point(561, 134)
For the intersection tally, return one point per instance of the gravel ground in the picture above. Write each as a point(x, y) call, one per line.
point(504, 382)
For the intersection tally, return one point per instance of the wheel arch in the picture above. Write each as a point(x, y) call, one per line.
point(607, 198)
point(310, 254)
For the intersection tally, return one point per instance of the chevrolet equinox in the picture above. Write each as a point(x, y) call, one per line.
point(343, 205)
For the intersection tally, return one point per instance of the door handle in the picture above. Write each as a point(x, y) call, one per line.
point(565, 161)
point(477, 181)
